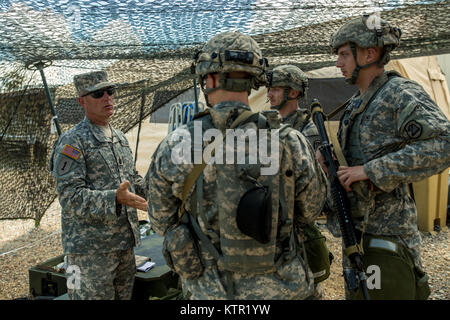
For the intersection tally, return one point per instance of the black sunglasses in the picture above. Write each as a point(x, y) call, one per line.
point(99, 93)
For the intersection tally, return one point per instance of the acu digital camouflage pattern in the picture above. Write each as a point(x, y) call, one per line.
point(104, 276)
point(91, 81)
point(301, 121)
point(358, 32)
point(400, 137)
point(300, 180)
point(91, 219)
point(180, 252)
point(288, 76)
point(212, 57)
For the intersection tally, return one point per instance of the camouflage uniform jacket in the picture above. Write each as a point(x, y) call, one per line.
point(301, 121)
point(88, 169)
point(166, 181)
point(404, 137)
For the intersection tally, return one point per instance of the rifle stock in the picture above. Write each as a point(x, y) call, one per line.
point(355, 277)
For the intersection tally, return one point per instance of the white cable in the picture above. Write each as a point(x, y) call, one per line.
point(30, 245)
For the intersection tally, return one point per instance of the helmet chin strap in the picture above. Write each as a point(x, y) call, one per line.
point(206, 92)
point(355, 73)
point(285, 99)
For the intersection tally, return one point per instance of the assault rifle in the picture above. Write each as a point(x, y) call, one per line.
point(355, 277)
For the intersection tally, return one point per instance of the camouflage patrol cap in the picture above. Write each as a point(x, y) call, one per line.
point(367, 32)
point(88, 82)
point(288, 76)
point(230, 52)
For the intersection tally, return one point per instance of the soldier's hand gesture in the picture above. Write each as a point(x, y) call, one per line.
point(125, 197)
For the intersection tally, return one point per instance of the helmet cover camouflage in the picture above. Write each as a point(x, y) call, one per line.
point(367, 32)
point(231, 52)
point(288, 76)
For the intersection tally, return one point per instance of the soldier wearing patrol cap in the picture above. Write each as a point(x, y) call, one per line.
point(96, 182)
point(287, 84)
point(231, 229)
point(391, 134)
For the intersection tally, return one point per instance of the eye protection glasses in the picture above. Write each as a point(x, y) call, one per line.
point(99, 93)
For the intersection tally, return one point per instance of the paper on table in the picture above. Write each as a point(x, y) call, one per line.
point(141, 259)
point(146, 266)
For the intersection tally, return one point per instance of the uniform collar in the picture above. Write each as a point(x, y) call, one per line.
point(224, 113)
point(98, 133)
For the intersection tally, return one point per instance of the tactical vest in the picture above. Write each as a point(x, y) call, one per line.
point(362, 201)
point(351, 121)
point(237, 251)
point(354, 154)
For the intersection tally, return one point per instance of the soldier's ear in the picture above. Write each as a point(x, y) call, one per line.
point(372, 55)
point(293, 93)
point(82, 102)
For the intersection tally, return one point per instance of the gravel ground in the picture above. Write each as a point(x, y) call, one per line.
point(22, 246)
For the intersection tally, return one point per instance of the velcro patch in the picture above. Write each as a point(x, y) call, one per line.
point(383, 244)
point(413, 129)
point(71, 152)
point(64, 166)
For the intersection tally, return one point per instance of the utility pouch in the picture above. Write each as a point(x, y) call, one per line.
point(181, 252)
point(318, 256)
point(362, 200)
point(391, 273)
point(254, 214)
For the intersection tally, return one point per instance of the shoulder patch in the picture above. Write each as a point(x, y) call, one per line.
point(64, 166)
point(71, 152)
point(413, 129)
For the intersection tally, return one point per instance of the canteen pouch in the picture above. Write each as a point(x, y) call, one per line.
point(181, 252)
point(399, 278)
point(254, 214)
point(318, 256)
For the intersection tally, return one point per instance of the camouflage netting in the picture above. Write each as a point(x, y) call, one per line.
point(146, 46)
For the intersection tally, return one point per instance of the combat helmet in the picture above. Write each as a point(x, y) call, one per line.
point(229, 52)
point(287, 76)
point(366, 32)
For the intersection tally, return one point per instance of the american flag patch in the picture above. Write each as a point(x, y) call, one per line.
point(71, 152)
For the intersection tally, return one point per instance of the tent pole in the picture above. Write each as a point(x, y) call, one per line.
point(195, 96)
point(39, 66)
point(139, 128)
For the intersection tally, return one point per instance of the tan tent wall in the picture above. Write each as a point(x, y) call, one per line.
point(444, 63)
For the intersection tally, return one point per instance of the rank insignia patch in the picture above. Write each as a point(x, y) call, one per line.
point(71, 152)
